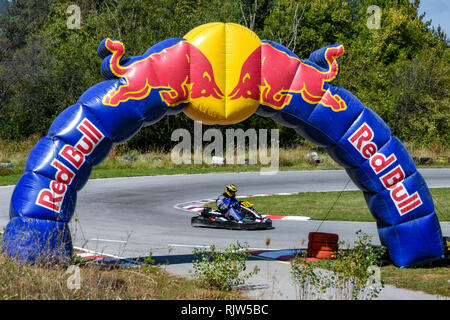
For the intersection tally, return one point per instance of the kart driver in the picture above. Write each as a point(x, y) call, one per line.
point(228, 204)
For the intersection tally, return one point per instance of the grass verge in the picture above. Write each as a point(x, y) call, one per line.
point(27, 282)
point(160, 163)
point(433, 280)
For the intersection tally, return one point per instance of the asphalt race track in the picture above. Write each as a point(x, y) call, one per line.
point(130, 217)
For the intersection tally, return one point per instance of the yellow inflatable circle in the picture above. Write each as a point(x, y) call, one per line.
point(226, 46)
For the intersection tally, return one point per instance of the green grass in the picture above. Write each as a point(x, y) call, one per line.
point(430, 280)
point(102, 172)
point(160, 163)
point(9, 179)
point(346, 206)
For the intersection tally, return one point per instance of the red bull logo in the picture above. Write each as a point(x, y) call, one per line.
point(52, 197)
point(391, 179)
point(168, 70)
point(272, 75)
point(191, 71)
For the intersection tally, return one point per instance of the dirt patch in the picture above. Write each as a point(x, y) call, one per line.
point(391, 278)
point(430, 276)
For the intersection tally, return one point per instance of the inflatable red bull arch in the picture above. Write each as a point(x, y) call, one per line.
point(220, 73)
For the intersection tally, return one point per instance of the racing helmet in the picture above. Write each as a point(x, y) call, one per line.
point(230, 190)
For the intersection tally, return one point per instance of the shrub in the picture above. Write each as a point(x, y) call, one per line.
point(222, 270)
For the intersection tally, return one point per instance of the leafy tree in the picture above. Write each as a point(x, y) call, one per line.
point(318, 23)
point(19, 18)
point(399, 70)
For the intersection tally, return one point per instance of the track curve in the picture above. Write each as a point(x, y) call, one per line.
point(133, 216)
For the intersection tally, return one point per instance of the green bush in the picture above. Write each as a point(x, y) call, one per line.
point(222, 270)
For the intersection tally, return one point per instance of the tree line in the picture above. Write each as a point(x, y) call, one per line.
point(400, 70)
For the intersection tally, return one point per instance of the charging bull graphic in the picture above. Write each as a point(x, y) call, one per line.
point(272, 76)
point(216, 71)
point(168, 70)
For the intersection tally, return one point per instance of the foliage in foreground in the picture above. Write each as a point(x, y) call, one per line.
point(352, 275)
point(27, 282)
point(222, 271)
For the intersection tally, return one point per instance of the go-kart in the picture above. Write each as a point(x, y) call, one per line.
point(251, 219)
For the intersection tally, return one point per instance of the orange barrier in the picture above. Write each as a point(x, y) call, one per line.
point(323, 237)
point(322, 245)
